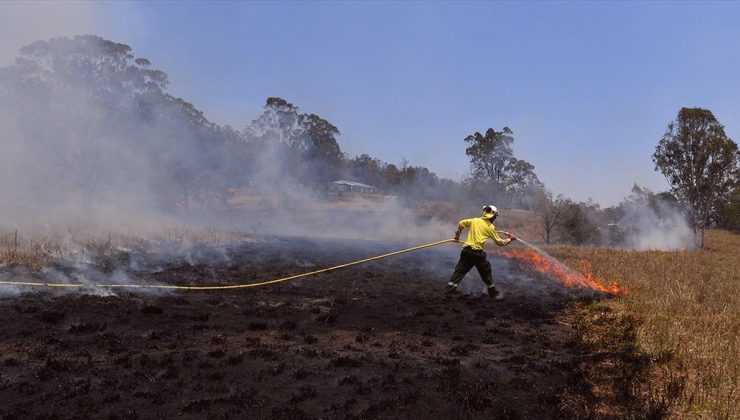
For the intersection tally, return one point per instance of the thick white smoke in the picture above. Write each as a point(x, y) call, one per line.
point(24, 22)
point(100, 158)
point(666, 232)
point(651, 222)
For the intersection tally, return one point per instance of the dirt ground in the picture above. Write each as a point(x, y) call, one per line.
point(374, 341)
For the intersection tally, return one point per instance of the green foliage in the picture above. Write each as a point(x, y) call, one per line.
point(103, 69)
point(576, 227)
point(728, 213)
point(110, 126)
point(492, 161)
point(286, 143)
point(319, 150)
point(304, 149)
point(699, 161)
point(490, 154)
point(371, 171)
point(279, 122)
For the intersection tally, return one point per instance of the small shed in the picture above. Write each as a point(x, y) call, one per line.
point(352, 187)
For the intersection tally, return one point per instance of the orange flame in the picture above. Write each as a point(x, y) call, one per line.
point(568, 278)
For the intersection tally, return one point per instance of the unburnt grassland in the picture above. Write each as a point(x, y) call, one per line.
point(672, 341)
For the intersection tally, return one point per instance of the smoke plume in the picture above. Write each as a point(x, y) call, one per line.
point(653, 222)
point(99, 160)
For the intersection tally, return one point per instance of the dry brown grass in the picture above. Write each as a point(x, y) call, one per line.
point(34, 252)
point(39, 248)
point(687, 306)
point(29, 258)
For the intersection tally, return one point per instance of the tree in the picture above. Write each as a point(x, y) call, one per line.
point(700, 163)
point(366, 169)
point(416, 184)
point(391, 175)
point(192, 156)
point(490, 154)
point(549, 212)
point(279, 122)
point(104, 70)
point(271, 138)
point(576, 226)
point(288, 144)
point(96, 121)
point(492, 159)
point(728, 213)
point(84, 90)
point(319, 150)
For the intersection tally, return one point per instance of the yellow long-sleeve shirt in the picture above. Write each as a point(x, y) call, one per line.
point(480, 230)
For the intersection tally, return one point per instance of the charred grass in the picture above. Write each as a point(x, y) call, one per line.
point(671, 343)
point(666, 349)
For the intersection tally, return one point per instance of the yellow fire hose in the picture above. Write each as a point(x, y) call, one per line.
point(221, 287)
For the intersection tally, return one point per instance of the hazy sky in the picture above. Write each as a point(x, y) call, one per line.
point(587, 87)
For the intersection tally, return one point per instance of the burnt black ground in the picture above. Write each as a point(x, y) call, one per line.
point(374, 341)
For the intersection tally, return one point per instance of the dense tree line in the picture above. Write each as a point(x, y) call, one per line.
point(83, 115)
point(97, 120)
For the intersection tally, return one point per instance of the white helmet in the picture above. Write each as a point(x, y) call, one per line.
point(490, 211)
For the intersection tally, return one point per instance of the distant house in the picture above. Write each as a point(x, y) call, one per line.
point(352, 187)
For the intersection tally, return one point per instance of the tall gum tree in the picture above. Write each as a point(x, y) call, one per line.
point(77, 90)
point(700, 163)
point(492, 159)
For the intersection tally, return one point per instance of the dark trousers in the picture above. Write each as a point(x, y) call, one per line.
point(470, 258)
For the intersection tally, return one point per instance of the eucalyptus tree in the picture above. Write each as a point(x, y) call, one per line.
point(700, 163)
point(492, 159)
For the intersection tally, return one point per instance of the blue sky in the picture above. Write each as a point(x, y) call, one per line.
point(587, 87)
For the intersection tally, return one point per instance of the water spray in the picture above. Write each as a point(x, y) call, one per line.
point(543, 253)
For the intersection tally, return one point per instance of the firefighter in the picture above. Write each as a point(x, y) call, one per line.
point(472, 255)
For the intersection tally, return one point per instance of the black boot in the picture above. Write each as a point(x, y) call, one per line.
point(495, 294)
point(450, 290)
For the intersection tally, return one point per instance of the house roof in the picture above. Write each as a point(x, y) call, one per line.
point(352, 183)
